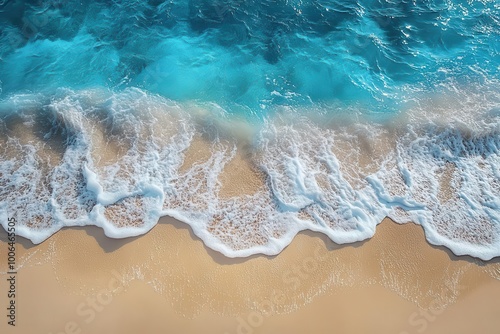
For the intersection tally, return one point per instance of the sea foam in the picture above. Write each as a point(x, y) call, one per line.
point(117, 161)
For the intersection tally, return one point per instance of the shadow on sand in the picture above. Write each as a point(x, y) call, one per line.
point(111, 244)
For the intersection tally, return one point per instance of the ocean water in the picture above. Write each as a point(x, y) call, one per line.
point(350, 111)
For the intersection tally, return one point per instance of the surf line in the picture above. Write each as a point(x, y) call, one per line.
point(11, 271)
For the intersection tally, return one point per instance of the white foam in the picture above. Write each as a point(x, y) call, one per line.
point(441, 170)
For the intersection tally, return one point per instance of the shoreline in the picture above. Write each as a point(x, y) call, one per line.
point(169, 280)
point(166, 219)
point(246, 192)
point(171, 269)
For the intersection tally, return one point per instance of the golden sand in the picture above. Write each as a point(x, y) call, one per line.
point(167, 281)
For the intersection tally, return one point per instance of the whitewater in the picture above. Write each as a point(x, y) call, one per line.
point(347, 112)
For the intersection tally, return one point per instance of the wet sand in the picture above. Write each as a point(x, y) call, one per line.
point(167, 281)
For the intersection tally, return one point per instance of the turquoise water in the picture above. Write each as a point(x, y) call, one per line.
point(247, 55)
point(353, 111)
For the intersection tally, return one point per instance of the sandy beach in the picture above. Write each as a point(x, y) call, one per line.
point(167, 281)
point(249, 167)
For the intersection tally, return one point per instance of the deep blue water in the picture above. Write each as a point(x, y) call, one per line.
point(250, 55)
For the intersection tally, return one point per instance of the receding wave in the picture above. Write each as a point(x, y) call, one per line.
point(121, 160)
